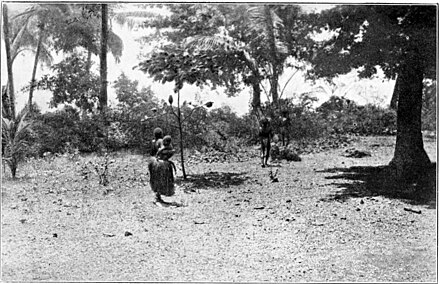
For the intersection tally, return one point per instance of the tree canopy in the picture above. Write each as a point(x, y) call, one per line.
point(250, 42)
point(370, 36)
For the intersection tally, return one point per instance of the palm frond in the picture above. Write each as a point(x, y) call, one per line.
point(265, 26)
point(207, 42)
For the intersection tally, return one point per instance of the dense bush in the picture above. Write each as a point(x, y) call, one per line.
point(342, 116)
point(295, 121)
point(130, 124)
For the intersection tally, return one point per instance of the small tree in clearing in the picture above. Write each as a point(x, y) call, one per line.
point(15, 134)
point(180, 67)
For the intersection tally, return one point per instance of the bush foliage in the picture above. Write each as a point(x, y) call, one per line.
point(129, 125)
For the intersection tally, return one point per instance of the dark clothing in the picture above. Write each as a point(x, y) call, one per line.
point(161, 176)
point(161, 172)
point(155, 146)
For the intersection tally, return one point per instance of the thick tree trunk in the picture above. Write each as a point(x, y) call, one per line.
point(9, 61)
point(34, 73)
point(409, 156)
point(256, 98)
point(273, 54)
point(395, 97)
point(103, 59)
point(274, 86)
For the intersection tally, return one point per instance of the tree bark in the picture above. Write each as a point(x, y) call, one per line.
point(256, 98)
point(273, 54)
point(9, 61)
point(395, 97)
point(179, 121)
point(34, 72)
point(409, 155)
point(103, 59)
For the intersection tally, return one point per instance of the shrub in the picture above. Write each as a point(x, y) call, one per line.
point(15, 140)
point(57, 129)
point(342, 116)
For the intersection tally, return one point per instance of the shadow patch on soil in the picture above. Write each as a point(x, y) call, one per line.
point(373, 181)
point(215, 180)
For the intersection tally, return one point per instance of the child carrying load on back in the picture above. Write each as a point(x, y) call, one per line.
point(166, 151)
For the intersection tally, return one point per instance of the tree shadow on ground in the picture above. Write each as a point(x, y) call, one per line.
point(214, 180)
point(364, 181)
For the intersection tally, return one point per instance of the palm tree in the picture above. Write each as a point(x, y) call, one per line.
point(9, 60)
point(38, 38)
point(14, 138)
point(265, 22)
point(103, 58)
point(27, 34)
point(260, 45)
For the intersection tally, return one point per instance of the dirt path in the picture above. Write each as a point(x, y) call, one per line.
point(320, 222)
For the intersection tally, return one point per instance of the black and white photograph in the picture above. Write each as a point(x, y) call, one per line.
point(248, 142)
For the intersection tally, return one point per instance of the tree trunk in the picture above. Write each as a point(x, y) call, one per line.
point(395, 97)
point(103, 59)
point(274, 86)
point(179, 121)
point(13, 169)
point(409, 156)
point(273, 54)
point(34, 72)
point(9, 61)
point(256, 98)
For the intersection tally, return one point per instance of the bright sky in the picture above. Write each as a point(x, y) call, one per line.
point(377, 90)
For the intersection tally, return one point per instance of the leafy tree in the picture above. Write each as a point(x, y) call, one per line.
point(401, 40)
point(194, 30)
point(133, 106)
point(131, 98)
point(252, 42)
point(72, 84)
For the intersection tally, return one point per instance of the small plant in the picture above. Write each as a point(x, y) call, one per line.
point(101, 168)
point(15, 135)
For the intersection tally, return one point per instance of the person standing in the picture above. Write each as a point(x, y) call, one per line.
point(160, 168)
